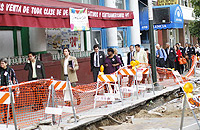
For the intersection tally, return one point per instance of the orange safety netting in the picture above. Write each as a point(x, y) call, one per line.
point(31, 97)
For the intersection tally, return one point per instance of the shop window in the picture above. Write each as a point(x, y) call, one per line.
point(120, 4)
point(96, 38)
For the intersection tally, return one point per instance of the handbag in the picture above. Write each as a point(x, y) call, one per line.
point(182, 60)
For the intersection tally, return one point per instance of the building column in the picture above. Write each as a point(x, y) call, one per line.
point(135, 29)
point(111, 32)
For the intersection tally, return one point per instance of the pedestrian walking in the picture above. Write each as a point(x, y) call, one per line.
point(171, 56)
point(97, 59)
point(130, 55)
point(69, 66)
point(111, 62)
point(161, 56)
point(178, 45)
point(36, 71)
point(178, 55)
point(187, 55)
point(7, 77)
point(141, 56)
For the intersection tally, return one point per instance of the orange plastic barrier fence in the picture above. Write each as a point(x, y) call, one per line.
point(31, 98)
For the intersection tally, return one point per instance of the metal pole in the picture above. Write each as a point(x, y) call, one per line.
point(96, 95)
point(151, 40)
point(71, 97)
point(13, 108)
point(195, 70)
point(53, 115)
point(136, 83)
point(182, 117)
point(196, 119)
point(120, 92)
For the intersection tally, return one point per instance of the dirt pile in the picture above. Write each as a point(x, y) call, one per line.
point(169, 109)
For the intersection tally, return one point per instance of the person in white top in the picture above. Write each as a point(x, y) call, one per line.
point(141, 56)
point(69, 66)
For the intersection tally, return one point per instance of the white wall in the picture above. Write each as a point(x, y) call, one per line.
point(37, 39)
point(187, 13)
point(7, 44)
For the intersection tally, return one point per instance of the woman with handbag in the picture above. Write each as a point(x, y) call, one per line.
point(178, 56)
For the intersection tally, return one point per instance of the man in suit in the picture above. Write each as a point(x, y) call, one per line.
point(130, 55)
point(97, 59)
point(36, 71)
point(69, 66)
point(141, 56)
point(161, 56)
point(35, 68)
point(171, 56)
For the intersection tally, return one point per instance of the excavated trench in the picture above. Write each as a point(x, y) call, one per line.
point(139, 111)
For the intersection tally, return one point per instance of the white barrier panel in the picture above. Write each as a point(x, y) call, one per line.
point(53, 110)
point(68, 109)
point(5, 98)
point(128, 89)
point(4, 127)
point(142, 87)
point(104, 98)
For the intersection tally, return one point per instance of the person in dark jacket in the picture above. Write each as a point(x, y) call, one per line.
point(111, 62)
point(35, 68)
point(187, 54)
point(130, 55)
point(7, 77)
point(36, 71)
point(97, 59)
point(171, 56)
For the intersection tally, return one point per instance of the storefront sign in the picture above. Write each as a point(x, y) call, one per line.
point(78, 19)
point(59, 38)
point(41, 11)
point(167, 2)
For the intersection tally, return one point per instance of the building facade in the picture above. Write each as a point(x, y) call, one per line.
point(178, 35)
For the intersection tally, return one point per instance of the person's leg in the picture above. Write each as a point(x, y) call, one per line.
point(95, 73)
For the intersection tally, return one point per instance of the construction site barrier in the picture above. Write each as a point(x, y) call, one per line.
point(31, 98)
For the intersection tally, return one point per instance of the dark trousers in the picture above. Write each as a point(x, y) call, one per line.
point(160, 62)
point(177, 66)
point(95, 71)
point(170, 64)
point(37, 92)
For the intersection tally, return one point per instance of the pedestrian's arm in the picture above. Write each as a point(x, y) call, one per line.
point(27, 65)
point(76, 67)
point(145, 58)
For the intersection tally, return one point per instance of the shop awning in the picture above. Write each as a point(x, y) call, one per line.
point(144, 18)
point(175, 15)
point(55, 14)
